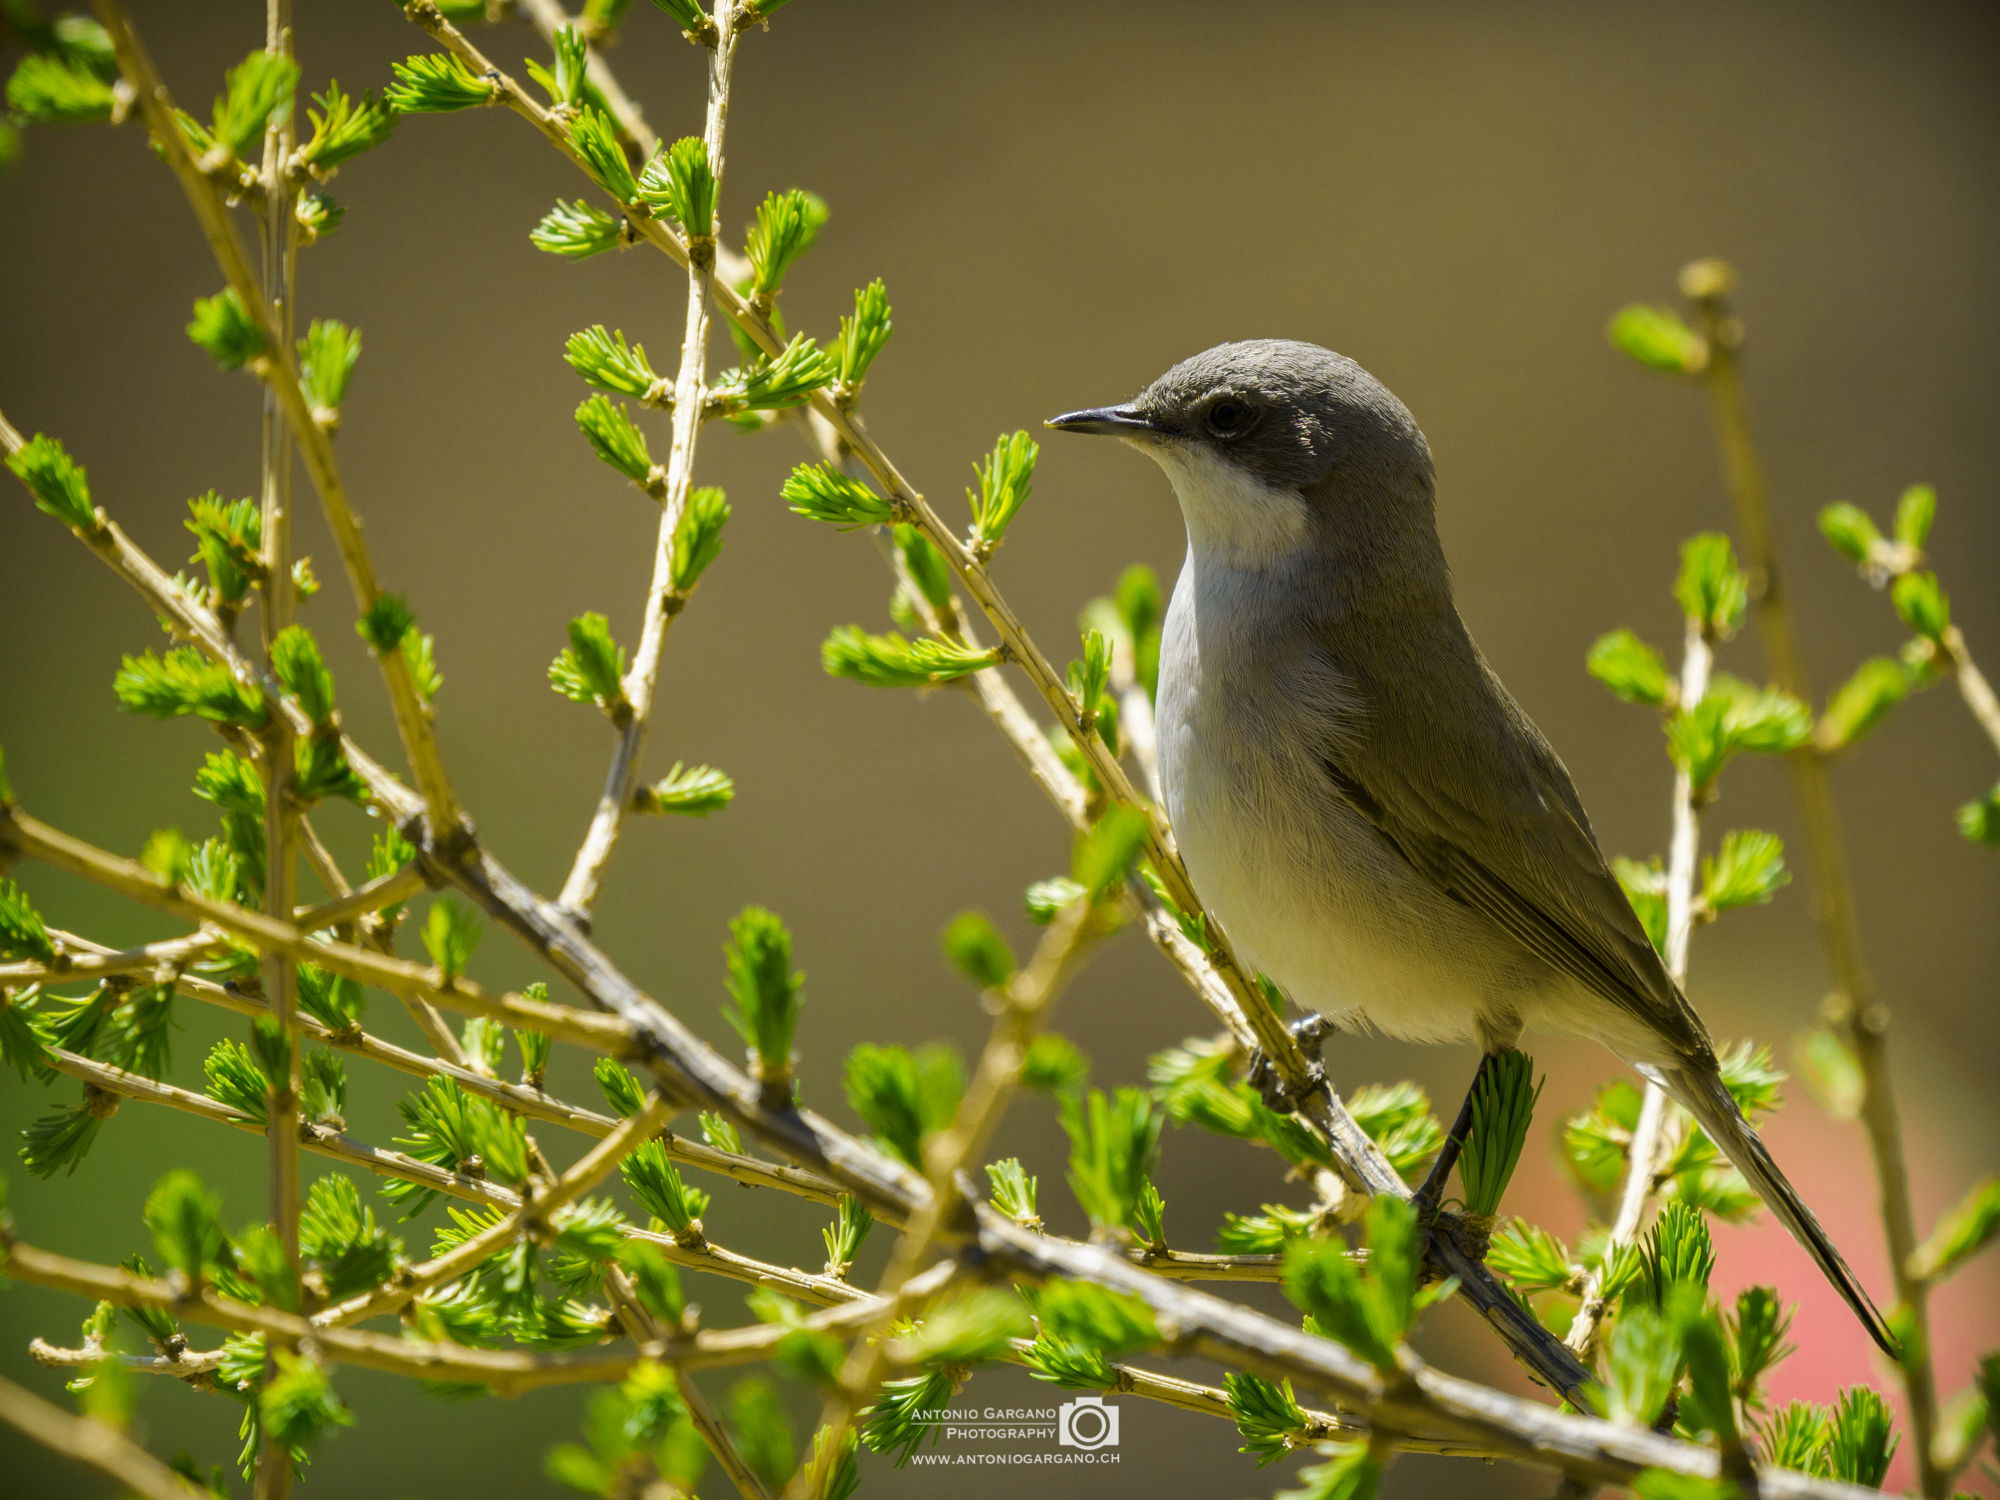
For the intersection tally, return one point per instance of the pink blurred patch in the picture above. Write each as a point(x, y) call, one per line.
point(1829, 1164)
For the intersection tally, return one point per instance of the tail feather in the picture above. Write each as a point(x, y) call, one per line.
point(1701, 1092)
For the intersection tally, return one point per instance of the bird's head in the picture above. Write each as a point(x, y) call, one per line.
point(1260, 436)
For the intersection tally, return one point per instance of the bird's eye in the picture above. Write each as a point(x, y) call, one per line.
point(1230, 416)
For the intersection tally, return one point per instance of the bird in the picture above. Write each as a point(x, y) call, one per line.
point(1359, 801)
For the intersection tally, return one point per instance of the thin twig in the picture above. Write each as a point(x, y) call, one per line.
point(319, 1140)
point(716, 1436)
point(279, 369)
point(664, 601)
point(1023, 1002)
point(1972, 684)
point(273, 1476)
point(95, 1443)
point(199, 626)
point(505, 1371)
point(535, 1215)
point(1887, 561)
point(1652, 1143)
point(29, 836)
point(385, 890)
point(322, 860)
point(71, 964)
point(191, 1365)
point(548, 17)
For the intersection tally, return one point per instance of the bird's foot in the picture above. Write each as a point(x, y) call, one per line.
point(1309, 1033)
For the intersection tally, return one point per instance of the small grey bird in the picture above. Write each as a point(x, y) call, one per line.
point(1373, 818)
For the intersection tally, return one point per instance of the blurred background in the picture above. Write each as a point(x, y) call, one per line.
point(1063, 200)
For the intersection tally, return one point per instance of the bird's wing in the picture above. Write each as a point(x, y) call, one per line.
point(1476, 801)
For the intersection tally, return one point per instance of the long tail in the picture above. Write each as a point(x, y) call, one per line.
point(1700, 1091)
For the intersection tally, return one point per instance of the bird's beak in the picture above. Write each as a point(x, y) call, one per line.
point(1110, 421)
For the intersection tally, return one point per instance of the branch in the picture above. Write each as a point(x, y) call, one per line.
point(385, 890)
point(1447, 1410)
point(506, 1372)
point(716, 1437)
point(75, 961)
point(1212, 1328)
point(23, 835)
point(1972, 684)
point(317, 1139)
point(95, 1443)
point(194, 1366)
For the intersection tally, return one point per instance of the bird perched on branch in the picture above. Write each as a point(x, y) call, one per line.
point(1372, 817)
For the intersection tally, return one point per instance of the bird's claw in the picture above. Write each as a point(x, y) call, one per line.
point(1309, 1034)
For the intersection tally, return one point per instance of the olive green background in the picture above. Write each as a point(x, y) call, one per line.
point(1063, 199)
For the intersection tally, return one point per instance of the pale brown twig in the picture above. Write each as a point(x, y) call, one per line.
point(1652, 1142)
point(272, 1479)
point(1886, 561)
point(385, 890)
point(664, 601)
point(198, 625)
point(278, 367)
point(716, 1436)
point(73, 962)
point(535, 1215)
point(317, 1139)
point(506, 1372)
point(95, 1443)
point(35, 839)
point(1973, 687)
point(1022, 1002)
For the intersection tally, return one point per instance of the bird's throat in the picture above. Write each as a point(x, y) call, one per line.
point(1234, 519)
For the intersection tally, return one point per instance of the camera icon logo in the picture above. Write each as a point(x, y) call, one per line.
point(1087, 1422)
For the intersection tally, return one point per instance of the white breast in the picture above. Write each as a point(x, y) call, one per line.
point(1305, 887)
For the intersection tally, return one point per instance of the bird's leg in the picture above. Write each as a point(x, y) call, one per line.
point(1432, 1192)
point(1310, 1033)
